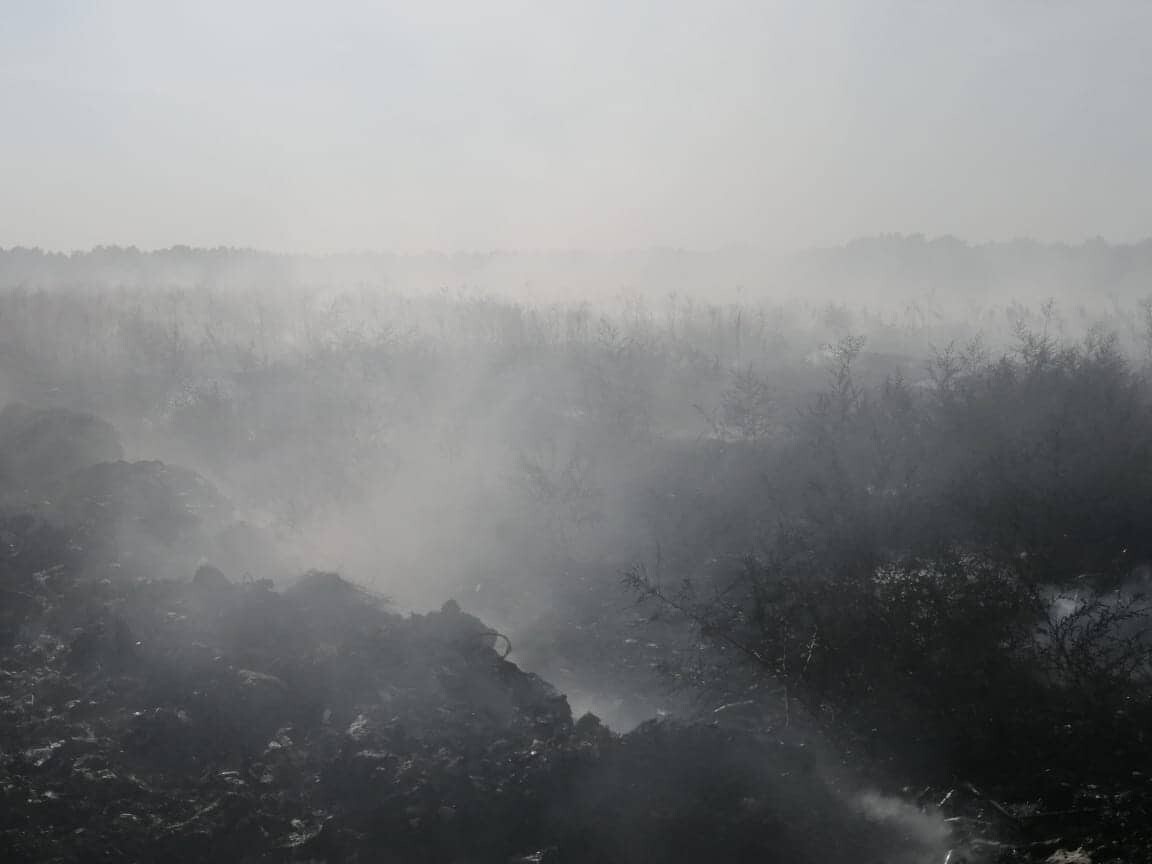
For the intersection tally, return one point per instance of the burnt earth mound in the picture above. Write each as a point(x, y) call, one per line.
point(202, 719)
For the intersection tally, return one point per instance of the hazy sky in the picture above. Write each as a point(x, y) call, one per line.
point(328, 126)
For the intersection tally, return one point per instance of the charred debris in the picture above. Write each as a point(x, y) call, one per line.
point(212, 716)
point(157, 706)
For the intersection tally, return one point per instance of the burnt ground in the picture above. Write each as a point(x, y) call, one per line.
point(153, 710)
point(204, 720)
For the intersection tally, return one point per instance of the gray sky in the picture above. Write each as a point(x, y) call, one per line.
point(330, 126)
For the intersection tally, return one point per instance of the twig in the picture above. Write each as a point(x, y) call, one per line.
point(199, 814)
point(996, 805)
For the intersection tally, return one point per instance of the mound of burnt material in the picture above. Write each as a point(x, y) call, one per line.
point(150, 502)
point(206, 719)
point(135, 518)
point(40, 446)
point(147, 517)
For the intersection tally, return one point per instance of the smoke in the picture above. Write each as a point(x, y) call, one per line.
point(511, 451)
point(927, 836)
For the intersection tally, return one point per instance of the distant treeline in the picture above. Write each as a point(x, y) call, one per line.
point(876, 269)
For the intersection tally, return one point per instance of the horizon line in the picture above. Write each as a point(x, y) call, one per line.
point(906, 237)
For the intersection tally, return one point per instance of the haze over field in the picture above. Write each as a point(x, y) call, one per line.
point(576, 433)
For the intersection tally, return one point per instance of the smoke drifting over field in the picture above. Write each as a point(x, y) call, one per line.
point(525, 433)
point(668, 506)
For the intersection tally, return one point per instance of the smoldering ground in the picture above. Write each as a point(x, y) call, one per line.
point(833, 528)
